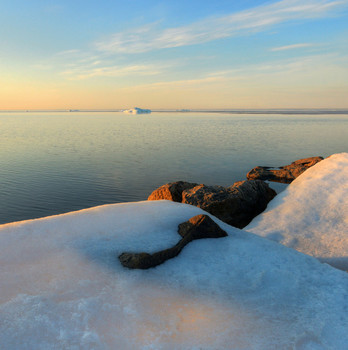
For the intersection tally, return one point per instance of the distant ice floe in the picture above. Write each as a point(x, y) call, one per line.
point(137, 110)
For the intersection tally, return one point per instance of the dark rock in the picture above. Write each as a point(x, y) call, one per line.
point(200, 226)
point(284, 174)
point(135, 260)
point(236, 205)
point(171, 191)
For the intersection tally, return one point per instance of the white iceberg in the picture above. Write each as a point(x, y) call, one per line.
point(311, 215)
point(137, 110)
point(62, 286)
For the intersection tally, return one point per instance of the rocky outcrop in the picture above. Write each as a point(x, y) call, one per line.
point(284, 174)
point(199, 226)
point(171, 191)
point(236, 205)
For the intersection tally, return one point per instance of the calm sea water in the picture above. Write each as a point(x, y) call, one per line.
point(53, 163)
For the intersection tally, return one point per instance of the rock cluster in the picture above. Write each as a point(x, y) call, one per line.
point(236, 205)
point(284, 174)
point(199, 226)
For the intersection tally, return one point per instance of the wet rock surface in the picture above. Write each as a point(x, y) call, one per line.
point(283, 174)
point(199, 226)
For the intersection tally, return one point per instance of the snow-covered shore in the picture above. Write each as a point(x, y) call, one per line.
point(311, 215)
point(62, 286)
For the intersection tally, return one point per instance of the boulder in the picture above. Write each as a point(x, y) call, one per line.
point(171, 191)
point(199, 226)
point(284, 174)
point(236, 205)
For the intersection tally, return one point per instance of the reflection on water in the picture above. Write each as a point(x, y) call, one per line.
point(57, 162)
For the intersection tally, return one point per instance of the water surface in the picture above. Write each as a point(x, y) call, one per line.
point(53, 163)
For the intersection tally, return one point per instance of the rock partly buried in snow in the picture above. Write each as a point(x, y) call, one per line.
point(199, 226)
point(236, 205)
point(284, 174)
point(171, 191)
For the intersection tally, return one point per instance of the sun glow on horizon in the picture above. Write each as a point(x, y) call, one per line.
point(279, 54)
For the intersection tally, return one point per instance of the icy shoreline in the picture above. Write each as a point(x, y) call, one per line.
point(62, 285)
point(311, 215)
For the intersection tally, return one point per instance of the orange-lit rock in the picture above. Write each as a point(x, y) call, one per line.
point(284, 174)
point(171, 191)
point(236, 205)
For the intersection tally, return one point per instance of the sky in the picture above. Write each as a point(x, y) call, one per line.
point(84, 54)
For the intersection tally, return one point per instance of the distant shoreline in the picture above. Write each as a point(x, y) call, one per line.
point(294, 111)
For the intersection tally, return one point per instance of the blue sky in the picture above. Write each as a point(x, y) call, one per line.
point(166, 54)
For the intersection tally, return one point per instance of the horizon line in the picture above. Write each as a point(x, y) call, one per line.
point(307, 110)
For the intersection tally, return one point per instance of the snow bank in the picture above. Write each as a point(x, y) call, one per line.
point(137, 110)
point(62, 286)
point(311, 215)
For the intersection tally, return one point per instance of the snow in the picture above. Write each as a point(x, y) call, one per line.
point(62, 286)
point(311, 215)
point(277, 186)
point(137, 110)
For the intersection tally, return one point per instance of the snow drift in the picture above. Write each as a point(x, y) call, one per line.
point(62, 286)
point(311, 215)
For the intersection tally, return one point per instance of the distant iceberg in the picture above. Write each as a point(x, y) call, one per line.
point(137, 110)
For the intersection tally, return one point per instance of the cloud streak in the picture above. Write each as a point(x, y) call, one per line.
point(291, 47)
point(80, 72)
point(280, 71)
point(150, 37)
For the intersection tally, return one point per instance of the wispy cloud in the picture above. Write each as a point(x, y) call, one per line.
point(85, 72)
point(291, 47)
point(179, 83)
point(289, 66)
point(150, 37)
point(280, 71)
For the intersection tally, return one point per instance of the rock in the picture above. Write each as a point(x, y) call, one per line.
point(284, 174)
point(236, 205)
point(135, 260)
point(199, 226)
point(171, 191)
